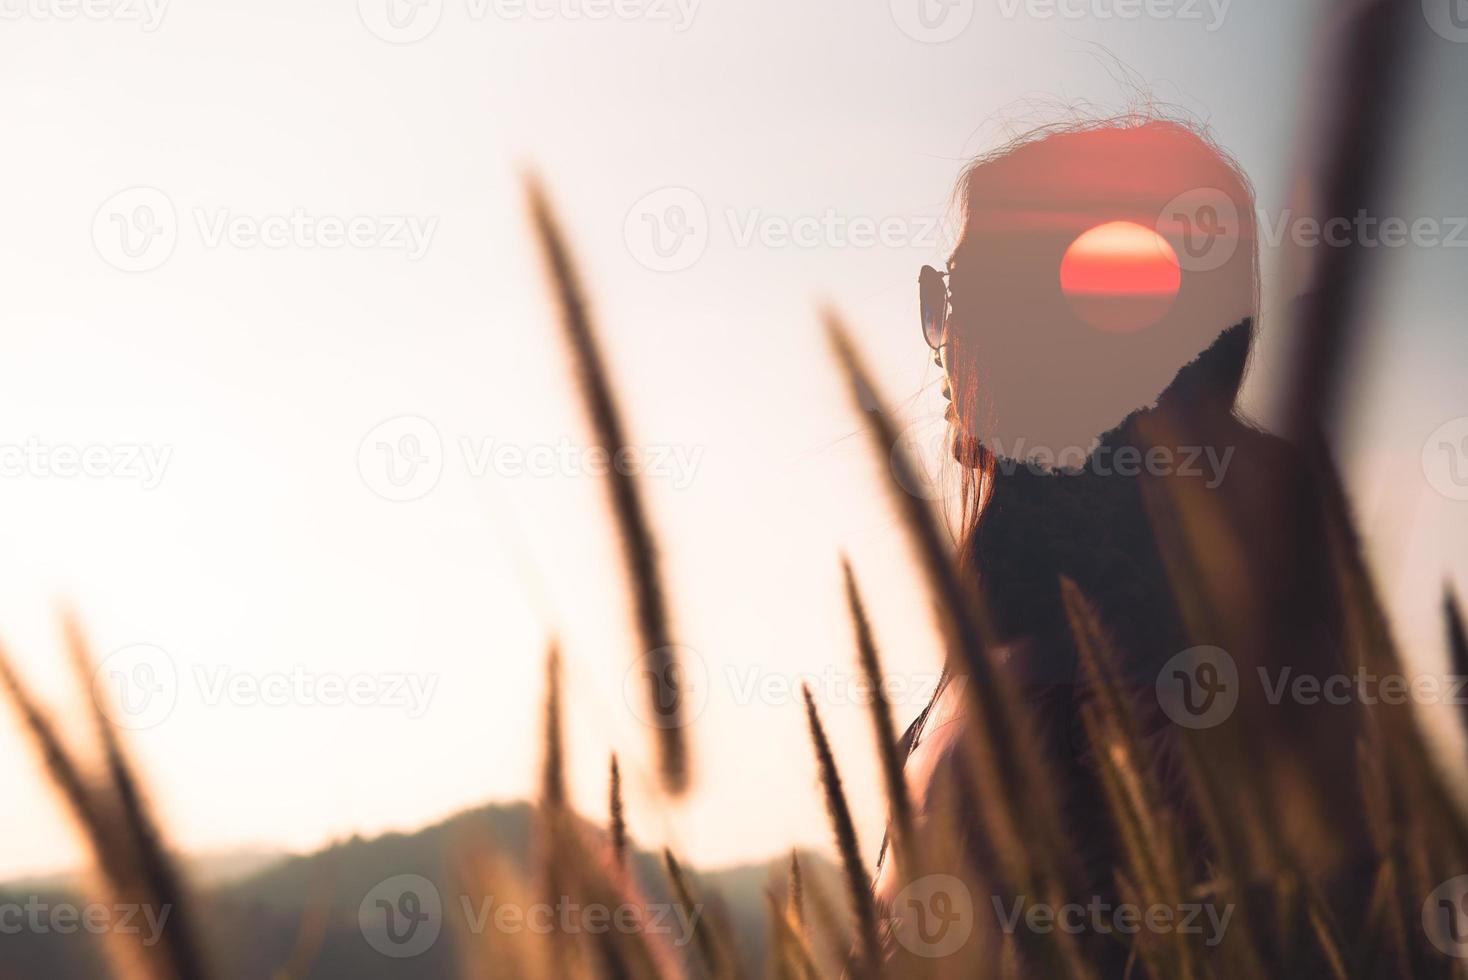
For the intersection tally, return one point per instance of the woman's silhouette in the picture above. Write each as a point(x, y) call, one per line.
point(1094, 325)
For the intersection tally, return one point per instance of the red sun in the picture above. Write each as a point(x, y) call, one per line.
point(1120, 276)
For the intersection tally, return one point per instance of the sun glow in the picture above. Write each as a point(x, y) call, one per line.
point(1120, 276)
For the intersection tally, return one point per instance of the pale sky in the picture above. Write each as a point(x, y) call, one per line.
point(229, 386)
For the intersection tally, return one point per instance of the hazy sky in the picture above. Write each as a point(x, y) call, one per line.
point(329, 238)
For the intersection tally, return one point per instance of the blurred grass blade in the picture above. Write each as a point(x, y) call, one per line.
point(60, 766)
point(639, 551)
point(795, 893)
point(1457, 643)
point(553, 766)
point(1361, 114)
point(713, 958)
point(858, 883)
point(165, 888)
point(618, 817)
point(899, 804)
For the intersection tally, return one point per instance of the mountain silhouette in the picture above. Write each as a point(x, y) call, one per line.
point(300, 913)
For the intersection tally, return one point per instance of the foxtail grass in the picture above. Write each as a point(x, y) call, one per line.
point(618, 817)
point(899, 804)
point(126, 845)
point(858, 882)
point(639, 549)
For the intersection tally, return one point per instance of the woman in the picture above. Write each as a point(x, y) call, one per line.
point(1093, 327)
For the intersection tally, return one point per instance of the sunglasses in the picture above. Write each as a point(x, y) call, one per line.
point(933, 297)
